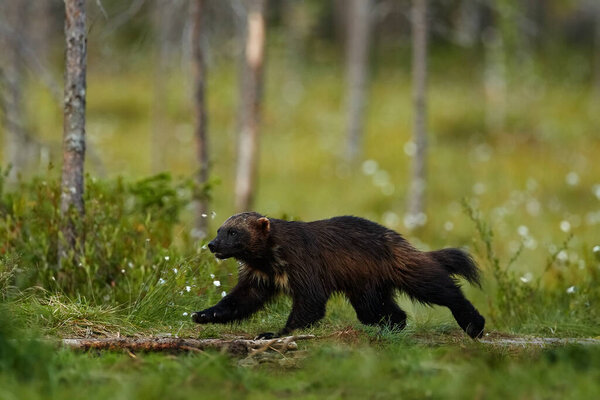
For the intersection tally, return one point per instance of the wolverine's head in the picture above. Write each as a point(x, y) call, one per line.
point(242, 236)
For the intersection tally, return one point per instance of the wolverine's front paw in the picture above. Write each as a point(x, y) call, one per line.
point(200, 317)
point(266, 336)
point(207, 316)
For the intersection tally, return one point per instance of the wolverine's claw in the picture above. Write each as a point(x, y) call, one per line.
point(199, 318)
point(265, 336)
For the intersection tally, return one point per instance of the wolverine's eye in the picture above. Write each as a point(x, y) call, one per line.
point(231, 232)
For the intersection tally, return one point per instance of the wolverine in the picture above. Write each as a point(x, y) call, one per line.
point(309, 261)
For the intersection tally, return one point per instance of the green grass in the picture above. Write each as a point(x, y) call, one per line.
point(515, 180)
point(334, 368)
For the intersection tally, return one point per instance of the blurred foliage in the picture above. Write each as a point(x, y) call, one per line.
point(128, 235)
point(532, 184)
point(552, 295)
point(25, 358)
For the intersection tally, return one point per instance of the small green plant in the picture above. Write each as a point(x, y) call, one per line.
point(21, 356)
point(511, 298)
point(8, 266)
point(128, 236)
point(550, 298)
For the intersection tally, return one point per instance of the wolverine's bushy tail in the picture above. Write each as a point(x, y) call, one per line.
point(458, 262)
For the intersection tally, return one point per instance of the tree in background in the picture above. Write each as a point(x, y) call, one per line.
point(72, 184)
point(468, 21)
point(416, 199)
point(19, 147)
point(596, 61)
point(162, 19)
point(252, 71)
point(358, 29)
point(200, 120)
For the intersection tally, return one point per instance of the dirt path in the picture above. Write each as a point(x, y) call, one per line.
point(501, 339)
point(538, 341)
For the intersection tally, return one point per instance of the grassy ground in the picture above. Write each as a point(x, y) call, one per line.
point(532, 188)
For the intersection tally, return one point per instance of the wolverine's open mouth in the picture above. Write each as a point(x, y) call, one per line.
point(222, 256)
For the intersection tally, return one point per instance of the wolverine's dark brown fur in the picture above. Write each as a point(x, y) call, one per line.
point(311, 260)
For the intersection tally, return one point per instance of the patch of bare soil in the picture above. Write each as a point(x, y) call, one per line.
point(501, 339)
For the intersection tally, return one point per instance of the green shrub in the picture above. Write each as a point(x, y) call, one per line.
point(128, 239)
point(550, 299)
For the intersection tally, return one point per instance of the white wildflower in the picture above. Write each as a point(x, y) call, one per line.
point(175, 270)
point(412, 221)
point(562, 255)
point(381, 178)
point(217, 283)
point(369, 167)
point(527, 277)
point(565, 226)
point(391, 219)
point(572, 178)
point(530, 243)
point(596, 190)
point(410, 148)
point(167, 258)
point(185, 314)
point(188, 288)
point(571, 289)
point(161, 281)
point(223, 293)
point(523, 230)
point(533, 207)
point(479, 188)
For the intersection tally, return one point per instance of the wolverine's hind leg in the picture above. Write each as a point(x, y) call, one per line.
point(377, 307)
point(444, 291)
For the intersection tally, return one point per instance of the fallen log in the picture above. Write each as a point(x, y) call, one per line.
point(239, 347)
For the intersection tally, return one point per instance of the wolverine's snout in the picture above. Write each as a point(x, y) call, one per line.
point(212, 246)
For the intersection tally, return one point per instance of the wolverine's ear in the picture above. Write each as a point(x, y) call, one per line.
point(264, 224)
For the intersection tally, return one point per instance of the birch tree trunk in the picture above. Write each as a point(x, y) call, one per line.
point(468, 23)
point(497, 47)
point(74, 125)
point(416, 201)
point(596, 73)
point(162, 19)
point(200, 120)
point(19, 148)
point(245, 185)
point(357, 60)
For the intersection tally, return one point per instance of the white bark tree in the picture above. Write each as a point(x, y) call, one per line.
point(72, 184)
point(416, 200)
point(19, 146)
point(200, 119)
point(248, 140)
point(358, 28)
point(163, 17)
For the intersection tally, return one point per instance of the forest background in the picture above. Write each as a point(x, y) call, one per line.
point(476, 126)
